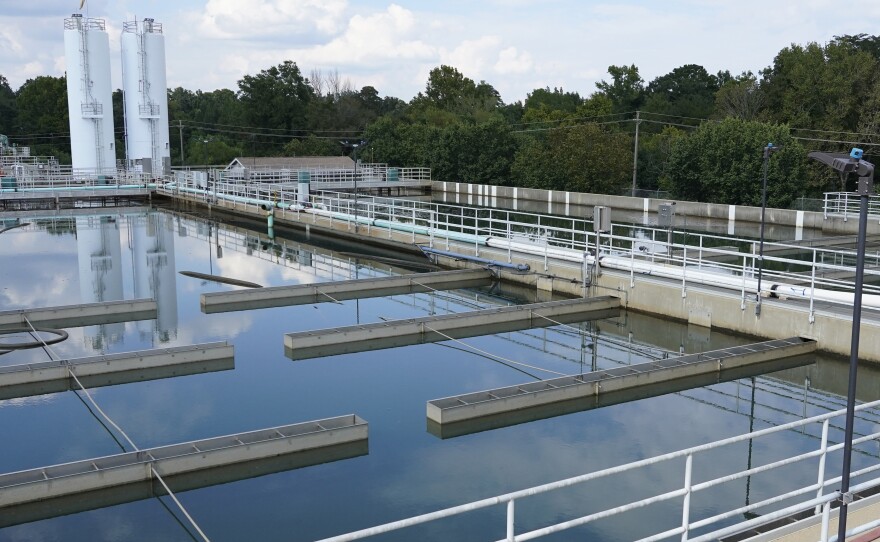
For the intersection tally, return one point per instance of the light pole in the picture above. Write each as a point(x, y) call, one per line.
point(768, 150)
point(354, 145)
point(844, 165)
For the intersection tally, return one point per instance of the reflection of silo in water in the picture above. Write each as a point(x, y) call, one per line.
point(154, 272)
point(99, 255)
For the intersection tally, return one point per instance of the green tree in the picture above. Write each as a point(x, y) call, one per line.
point(686, 91)
point(556, 99)
point(401, 143)
point(861, 42)
point(626, 89)
point(475, 153)
point(119, 123)
point(741, 98)
point(721, 163)
point(42, 109)
point(42, 105)
point(581, 158)
point(655, 150)
point(312, 146)
point(211, 151)
point(277, 98)
point(7, 108)
point(820, 87)
point(449, 96)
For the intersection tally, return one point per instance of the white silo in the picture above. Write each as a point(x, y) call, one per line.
point(155, 274)
point(146, 97)
point(89, 96)
point(99, 255)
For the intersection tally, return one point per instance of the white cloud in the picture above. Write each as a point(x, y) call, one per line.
point(255, 20)
point(10, 41)
point(371, 40)
point(512, 61)
point(33, 69)
point(515, 45)
point(471, 57)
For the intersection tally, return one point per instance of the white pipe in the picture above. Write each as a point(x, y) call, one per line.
point(694, 276)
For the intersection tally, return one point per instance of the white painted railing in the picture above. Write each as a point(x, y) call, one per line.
point(846, 204)
point(816, 496)
point(811, 274)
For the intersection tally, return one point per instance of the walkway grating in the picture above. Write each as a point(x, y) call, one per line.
point(300, 294)
point(590, 385)
point(394, 333)
point(113, 369)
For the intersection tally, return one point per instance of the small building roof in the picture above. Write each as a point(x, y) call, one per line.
point(291, 162)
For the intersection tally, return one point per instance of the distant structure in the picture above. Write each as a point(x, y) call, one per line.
point(145, 91)
point(89, 96)
point(290, 162)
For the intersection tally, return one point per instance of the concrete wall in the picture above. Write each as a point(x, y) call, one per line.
point(559, 201)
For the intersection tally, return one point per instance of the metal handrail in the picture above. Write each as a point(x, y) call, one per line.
point(686, 492)
point(548, 235)
point(846, 204)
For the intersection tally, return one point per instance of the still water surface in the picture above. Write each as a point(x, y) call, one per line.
point(131, 254)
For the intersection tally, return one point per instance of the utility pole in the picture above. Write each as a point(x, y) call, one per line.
point(180, 127)
point(636, 155)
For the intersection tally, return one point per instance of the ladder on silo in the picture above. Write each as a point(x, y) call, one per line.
point(149, 110)
point(90, 106)
point(99, 145)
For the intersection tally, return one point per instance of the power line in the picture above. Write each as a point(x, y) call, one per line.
point(571, 126)
point(195, 122)
point(262, 134)
point(571, 119)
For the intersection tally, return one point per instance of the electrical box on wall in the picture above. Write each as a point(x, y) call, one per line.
point(665, 215)
point(601, 219)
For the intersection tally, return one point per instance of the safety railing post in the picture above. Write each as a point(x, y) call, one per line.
point(820, 482)
point(684, 271)
point(509, 240)
point(511, 536)
point(546, 248)
point(686, 504)
point(826, 517)
point(431, 217)
point(653, 243)
point(742, 304)
point(632, 264)
point(813, 288)
point(700, 261)
point(476, 233)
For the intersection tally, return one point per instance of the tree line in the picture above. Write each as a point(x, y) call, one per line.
point(700, 135)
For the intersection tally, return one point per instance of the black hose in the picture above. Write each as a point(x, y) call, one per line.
point(61, 336)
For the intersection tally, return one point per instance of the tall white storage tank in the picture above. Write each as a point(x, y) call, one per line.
point(146, 97)
point(89, 96)
point(99, 255)
point(155, 273)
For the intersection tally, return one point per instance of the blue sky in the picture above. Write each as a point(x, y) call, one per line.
point(515, 45)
